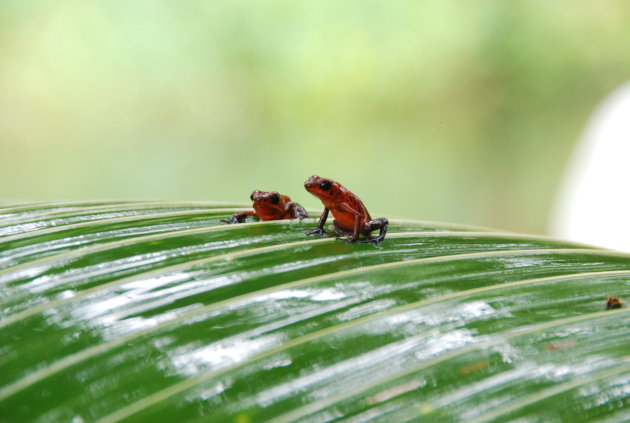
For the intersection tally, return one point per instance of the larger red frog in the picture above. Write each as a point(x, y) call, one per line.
point(270, 206)
point(351, 216)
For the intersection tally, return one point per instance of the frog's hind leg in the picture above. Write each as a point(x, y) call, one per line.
point(373, 225)
point(296, 211)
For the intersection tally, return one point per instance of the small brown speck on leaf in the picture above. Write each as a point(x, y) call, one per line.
point(614, 302)
point(474, 367)
point(561, 345)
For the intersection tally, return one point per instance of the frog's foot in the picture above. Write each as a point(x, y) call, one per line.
point(233, 219)
point(319, 231)
point(360, 240)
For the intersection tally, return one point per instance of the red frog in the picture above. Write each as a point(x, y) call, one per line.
point(270, 206)
point(351, 216)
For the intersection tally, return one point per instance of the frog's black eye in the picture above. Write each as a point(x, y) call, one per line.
point(251, 197)
point(325, 185)
point(275, 199)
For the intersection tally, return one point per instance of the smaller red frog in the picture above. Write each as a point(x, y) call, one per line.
point(351, 216)
point(270, 206)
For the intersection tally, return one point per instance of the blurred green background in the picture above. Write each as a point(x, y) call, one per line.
point(441, 110)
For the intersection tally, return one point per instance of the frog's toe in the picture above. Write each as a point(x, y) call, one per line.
point(367, 240)
point(315, 231)
point(378, 239)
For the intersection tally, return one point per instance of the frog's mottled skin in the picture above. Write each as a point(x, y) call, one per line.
point(270, 206)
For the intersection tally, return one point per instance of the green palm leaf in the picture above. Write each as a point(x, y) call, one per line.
point(158, 312)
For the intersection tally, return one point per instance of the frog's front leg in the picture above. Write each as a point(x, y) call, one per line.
point(239, 217)
point(354, 237)
point(320, 226)
point(296, 211)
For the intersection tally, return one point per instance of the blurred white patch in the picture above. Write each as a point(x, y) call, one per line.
point(325, 294)
point(328, 295)
point(524, 261)
point(192, 362)
point(67, 294)
point(433, 317)
point(206, 394)
point(26, 273)
point(445, 342)
point(283, 361)
point(593, 204)
point(476, 309)
point(365, 309)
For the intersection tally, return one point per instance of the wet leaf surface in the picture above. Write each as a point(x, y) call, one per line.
point(159, 312)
